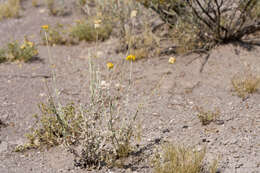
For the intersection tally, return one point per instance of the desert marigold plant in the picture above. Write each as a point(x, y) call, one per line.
point(14, 51)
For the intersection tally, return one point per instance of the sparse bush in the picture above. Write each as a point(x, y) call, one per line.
point(35, 3)
point(10, 9)
point(82, 2)
point(57, 35)
point(98, 30)
point(56, 9)
point(204, 24)
point(98, 134)
point(16, 52)
point(245, 84)
point(206, 117)
point(171, 159)
point(80, 31)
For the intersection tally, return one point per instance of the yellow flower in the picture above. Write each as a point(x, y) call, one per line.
point(23, 46)
point(110, 65)
point(45, 27)
point(172, 60)
point(29, 43)
point(35, 52)
point(130, 58)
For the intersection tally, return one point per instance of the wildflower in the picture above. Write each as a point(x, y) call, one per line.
point(172, 60)
point(35, 52)
point(45, 27)
point(130, 58)
point(29, 43)
point(110, 65)
point(23, 46)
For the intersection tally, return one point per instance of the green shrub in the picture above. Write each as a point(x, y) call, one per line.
point(18, 52)
point(98, 30)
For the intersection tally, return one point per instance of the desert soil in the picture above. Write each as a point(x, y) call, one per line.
point(169, 113)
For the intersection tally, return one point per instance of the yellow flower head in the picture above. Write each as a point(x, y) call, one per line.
point(45, 27)
point(130, 58)
point(172, 60)
point(29, 43)
point(23, 46)
point(110, 65)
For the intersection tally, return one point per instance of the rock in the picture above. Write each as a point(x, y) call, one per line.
point(166, 131)
point(185, 126)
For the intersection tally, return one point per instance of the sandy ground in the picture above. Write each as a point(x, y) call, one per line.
point(169, 113)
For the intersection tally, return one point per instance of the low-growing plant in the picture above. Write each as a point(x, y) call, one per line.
point(35, 3)
point(171, 159)
point(19, 52)
point(2, 55)
point(87, 31)
point(82, 2)
point(206, 117)
point(80, 31)
point(10, 9)
point(57, 35)
point(245, 84)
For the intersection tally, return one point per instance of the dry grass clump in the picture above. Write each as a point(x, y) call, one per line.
point(57, 35)
point(245, 84)
point(206, 117)
point(14, 51)
point(172, 159)
point(10, 9)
